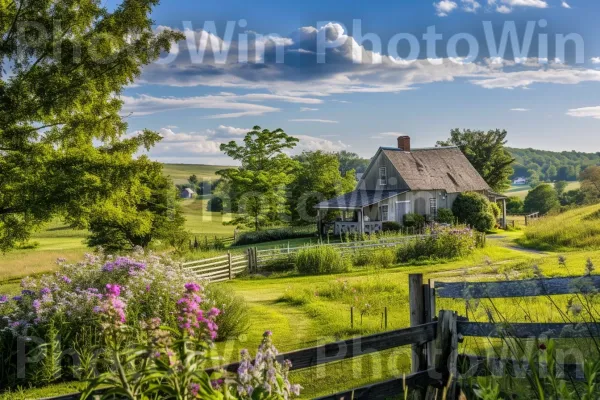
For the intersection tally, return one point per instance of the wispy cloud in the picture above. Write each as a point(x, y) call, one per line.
point(322, 121)
point(595, 60)
point(585, 112)
point(519, 109)
point(304, 109)
point(564, 4)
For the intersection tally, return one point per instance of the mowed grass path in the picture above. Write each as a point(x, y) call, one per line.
point(304, 311)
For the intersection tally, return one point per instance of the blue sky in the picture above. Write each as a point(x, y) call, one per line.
point(542, 101)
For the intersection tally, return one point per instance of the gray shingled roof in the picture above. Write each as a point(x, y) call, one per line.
point(437, 168)
point(358, 199)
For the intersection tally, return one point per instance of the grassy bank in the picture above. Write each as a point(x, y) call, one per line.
point(574, 229)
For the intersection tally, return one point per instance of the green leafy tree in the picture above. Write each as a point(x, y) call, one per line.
point(542, 199)
point(259, 185)
point(515, 205)
point(145, 212)
point(317, 178)
point(551, 172)
point(487, 153)
point(193, 180)
point(65, 64)
point(590, 184)
point(352, 162)
point(560, 187)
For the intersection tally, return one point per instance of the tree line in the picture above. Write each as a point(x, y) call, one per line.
point(549, 166)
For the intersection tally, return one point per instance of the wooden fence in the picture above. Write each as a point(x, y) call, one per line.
point(262, 256)
point(220, 268)
point(228, 266)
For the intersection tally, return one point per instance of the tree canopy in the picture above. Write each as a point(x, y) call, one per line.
point(62, 152)
point(551, 165)
point(257, 189)
point(317, 178)
point(542, 199)
point(487, 153)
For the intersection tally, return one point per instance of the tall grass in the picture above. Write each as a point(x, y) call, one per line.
point(574, 229)
point(321, 260)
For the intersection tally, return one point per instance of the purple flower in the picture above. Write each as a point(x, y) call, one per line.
point(17, 298)
point(267, 334)
point(65, 279)
point(3, 299)
point(192, 287)
point(45, 291)
point(27, 292)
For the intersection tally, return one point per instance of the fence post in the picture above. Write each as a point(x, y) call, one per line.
point(255, 251)
point(430, 315)
point(446, 356)
point(229, 263)
point(417, 317)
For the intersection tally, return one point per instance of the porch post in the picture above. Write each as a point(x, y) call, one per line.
point(361, 221)
point(319, 223)
point(504, 213)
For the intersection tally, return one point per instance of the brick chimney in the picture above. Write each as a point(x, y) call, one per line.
point(404, 143)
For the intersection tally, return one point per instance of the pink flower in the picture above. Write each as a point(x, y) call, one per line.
point(114, 290)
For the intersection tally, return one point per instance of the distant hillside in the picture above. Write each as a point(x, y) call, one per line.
point(181, 172)
point(551, 165)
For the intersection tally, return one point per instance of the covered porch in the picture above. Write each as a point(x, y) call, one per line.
point(499, 199)
point(360, 211)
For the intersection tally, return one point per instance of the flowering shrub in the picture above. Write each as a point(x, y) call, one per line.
point(73, 307)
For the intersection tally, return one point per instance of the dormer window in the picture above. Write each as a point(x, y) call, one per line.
point(382, 176)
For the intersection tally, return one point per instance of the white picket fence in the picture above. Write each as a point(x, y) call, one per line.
point(228, 266)
point(219, 268)
point(266, 255)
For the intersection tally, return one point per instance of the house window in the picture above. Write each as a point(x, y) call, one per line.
point(433, 206)
point(382, 176)
point(385, 212)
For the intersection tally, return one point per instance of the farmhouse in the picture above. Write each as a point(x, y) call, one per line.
point(402, 180)
point(187, 193)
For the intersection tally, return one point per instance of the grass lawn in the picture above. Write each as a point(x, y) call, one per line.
point(522, 190)
point(57, 240)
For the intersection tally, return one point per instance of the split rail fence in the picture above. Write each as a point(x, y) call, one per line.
point(436, 363)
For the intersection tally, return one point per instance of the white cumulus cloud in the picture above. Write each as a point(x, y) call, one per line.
point(444, 7)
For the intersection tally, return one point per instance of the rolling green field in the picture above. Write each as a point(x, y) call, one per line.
point(522, 190)
point(57, 240)
point(181, 172)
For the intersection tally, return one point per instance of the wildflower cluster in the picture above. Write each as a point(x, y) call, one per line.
point(191, 318)
point(265, 377)
point(112, 308)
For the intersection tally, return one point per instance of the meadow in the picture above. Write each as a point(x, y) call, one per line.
point(181, 172)
point(522, 190)
point(304, 311)
point(578, 228)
